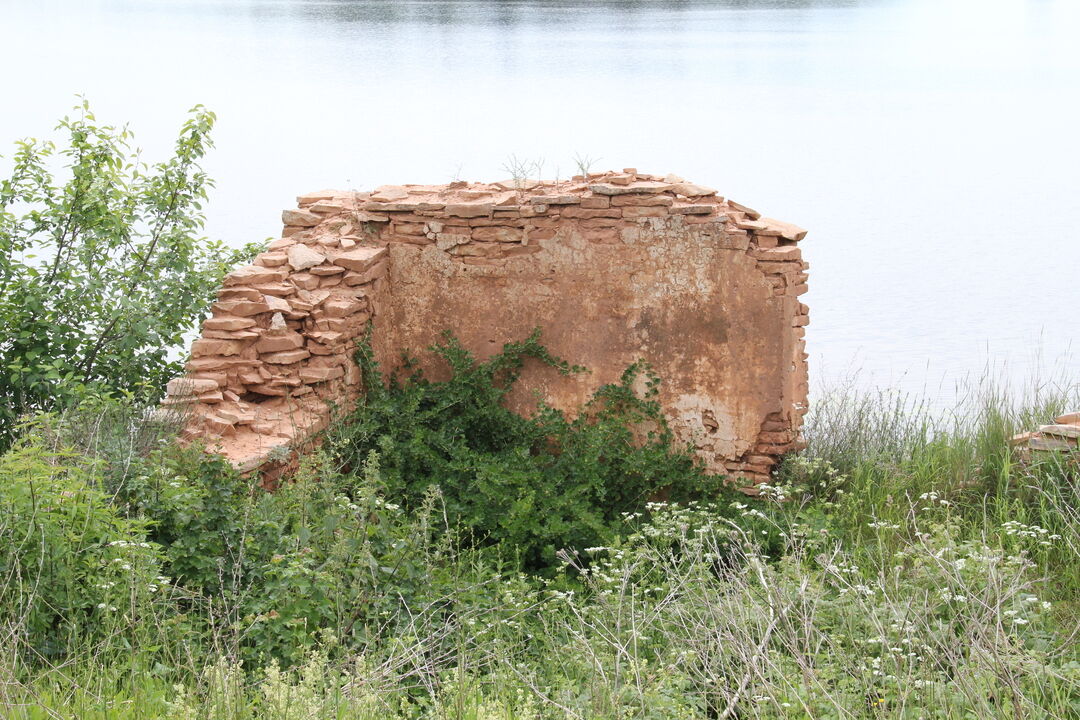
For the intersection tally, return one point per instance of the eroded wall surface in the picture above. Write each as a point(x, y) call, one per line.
point(613, 268)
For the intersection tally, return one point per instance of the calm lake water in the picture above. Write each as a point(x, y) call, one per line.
point(930, 146)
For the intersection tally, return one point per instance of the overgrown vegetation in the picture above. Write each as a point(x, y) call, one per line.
point(898, 568)
point(102, 266)
point(534, 484)
point(442, 557)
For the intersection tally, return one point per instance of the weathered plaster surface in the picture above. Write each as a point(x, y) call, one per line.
point(613, 268)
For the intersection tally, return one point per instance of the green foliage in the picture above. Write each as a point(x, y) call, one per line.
point(332, 556)
point(928, 575)
point(103, 270)
point(197, 508)
point(322, 553)
point(71, 565)
point(535, 484)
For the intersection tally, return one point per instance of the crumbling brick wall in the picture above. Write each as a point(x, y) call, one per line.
point(613, 267)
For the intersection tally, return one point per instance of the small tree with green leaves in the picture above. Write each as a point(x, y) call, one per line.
point(103, 268)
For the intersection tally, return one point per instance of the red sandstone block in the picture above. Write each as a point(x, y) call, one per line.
point(313, 197)
point(281, 244)
point(767, 449)
point(785, 253)
point(204, 347)
point(341, 308)
point(572, 212)
point(331, 281)
point(416, 217)
point(497, 222)
point(715, 220)
point(243, 308)
point(543, 222)
point(287, 357)
point(235, 415)
point(498, 234)
point(280, 289)
point(267, 389)
point(326, 207)
point(344, 325)
point(300, 218)
point(270, 259)
point(642, 201)
point(555, 199)
point(239, 293)
point(692, 209)
point(231, 334)
point(305, 281)
point(360, 259)
point(321, 374)
point(410, 239)
point(363, 278)
point(324, 270)
point(212, 397)
point(595, 203)
point(205, 364)
point(187, 387)
point(785, 230)
point(749, 212)
point(776, 438)
point(602, 222)
point(469, 211)
point(766, 460)
point(328, 337)
point(218, 425)
point(778, 268)
point(273, 344)
point(407, 228)
point(253, 274)
point(227, 323)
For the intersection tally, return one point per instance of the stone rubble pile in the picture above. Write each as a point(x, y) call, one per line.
point(1062, 435)
point(276, 353)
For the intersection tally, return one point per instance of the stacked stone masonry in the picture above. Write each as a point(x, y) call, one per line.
point(613, 267)
point(1063, 435)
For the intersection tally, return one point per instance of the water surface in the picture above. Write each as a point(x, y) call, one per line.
point(930, 146)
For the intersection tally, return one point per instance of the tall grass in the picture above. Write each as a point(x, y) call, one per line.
point(906, 565)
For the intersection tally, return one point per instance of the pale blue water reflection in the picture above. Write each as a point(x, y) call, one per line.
point(929, 145)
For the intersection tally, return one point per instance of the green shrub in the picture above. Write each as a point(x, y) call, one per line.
point(535, 484)
point(72, 567)
point(103, 269)
point(197, 508)
point(322, 553)
point(330, 555)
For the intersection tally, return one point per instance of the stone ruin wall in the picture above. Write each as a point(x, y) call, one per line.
point(612, 267)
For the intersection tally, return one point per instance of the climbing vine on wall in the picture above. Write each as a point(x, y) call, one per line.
point(539, 483)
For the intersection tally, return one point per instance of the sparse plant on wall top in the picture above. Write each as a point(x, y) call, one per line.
point(521, 170)
point(584, 163)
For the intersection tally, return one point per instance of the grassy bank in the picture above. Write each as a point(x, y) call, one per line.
point(903, 566)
